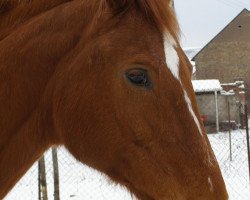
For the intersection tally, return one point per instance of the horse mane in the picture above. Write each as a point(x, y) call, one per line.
point(158, 12)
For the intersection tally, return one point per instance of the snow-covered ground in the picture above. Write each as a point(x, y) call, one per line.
point(79, 182)
point(235, 172)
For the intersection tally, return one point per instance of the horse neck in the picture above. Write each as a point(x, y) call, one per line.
point(14, 13)
point(26, 127)
point(22, 150)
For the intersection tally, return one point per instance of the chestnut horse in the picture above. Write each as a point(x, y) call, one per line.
point(108, 80)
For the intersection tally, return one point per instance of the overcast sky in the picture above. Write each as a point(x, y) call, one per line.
point(201, 20)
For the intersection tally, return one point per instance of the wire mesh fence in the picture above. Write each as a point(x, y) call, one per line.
point(224, 113)
point(77, 182)
point(225, 122)
point(234, 165)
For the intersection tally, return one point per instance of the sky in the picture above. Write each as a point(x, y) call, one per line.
point(201, 20)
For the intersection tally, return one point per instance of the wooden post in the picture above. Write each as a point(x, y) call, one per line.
point(247, 137)
point(43, 194)
point(216, 111)
point(230, 136)
point(56, 174)
point(39, 182)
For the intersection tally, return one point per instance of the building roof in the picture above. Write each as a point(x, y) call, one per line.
point(237, 30)
point(209, 85)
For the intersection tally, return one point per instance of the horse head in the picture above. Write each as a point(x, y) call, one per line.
point(125, 105)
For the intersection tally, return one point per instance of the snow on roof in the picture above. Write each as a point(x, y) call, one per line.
point(228, 93)
point(236, 83)
point(209, 85)
point(191, 51)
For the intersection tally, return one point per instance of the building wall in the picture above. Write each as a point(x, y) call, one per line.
point(206, 104)
point(226, 61)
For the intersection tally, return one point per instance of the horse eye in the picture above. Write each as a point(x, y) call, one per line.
point(138, 77)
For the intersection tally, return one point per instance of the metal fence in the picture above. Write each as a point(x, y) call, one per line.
point(76, 181)
point(227, 129)
point(232, 151)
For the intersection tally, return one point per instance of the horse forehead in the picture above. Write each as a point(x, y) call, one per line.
point(173, 64)
point(172, 58)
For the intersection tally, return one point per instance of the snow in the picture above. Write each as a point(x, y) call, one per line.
point(236, 83)
point(191, 51)
point(209, 85)
point(227, 93)
point(79, 182)
point(235, 172)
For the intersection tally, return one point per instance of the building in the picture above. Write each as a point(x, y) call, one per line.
point(218, 106)
point(227, 56)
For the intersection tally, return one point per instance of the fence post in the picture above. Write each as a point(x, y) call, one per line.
point(42, 183)
point(247, 135)
point(216, 111)
point(56, 174)
point(230, 136)
point(39, 182)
